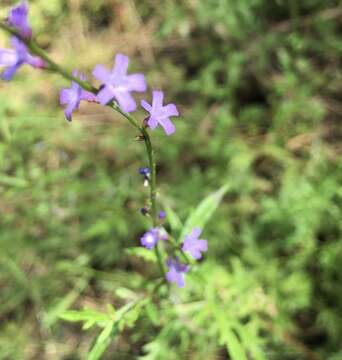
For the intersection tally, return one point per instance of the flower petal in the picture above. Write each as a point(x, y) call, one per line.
point(171, 110)
point(125, 100)
point(64, 96)
point(152, 122)
point(101, 73)
point(105, 95)
point(8, 57)
point(120, 65)
point(145, 105)
point(87, 96)
point(167, 125)
point(137, 82)
point(9, 72)
point(68, 112)
point(195, 233)
point(203, 245)
point(157, 98)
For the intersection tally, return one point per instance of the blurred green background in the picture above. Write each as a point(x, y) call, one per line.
point(259, 87)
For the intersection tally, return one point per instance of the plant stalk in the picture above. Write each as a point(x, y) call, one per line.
point(54, 67)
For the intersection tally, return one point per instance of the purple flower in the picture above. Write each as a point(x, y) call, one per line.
point(71, 97)
point(13, 59)
point(116, 84)
point(176, 272)
point(18, 19)
point(150, 238)
point(193, 245)
point(144, 171)
point(162, 215)
point(160, 114)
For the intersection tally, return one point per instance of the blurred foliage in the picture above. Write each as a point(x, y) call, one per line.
point(259, 86)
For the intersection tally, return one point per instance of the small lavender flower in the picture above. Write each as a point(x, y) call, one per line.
point(72, 97)
point(18, 18)
point(160, 114)
point(13, 59)
point(116, 84)
point(150, 238)
point(176, 272)
point(162, 215)
point(193, 245)
point(144, 171)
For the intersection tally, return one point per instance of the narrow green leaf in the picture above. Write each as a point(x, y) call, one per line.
point(204, 211)
point(102, 342)
point(143, 253)
point(234, 346)
point(86, 315)
point(172, 218)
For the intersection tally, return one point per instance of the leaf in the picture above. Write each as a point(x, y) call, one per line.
point(143, 253)
point(102, 342)
point(234, 346)
point(204, 211)
point(89, 316)
point(172, 218)
point(13, 181)
point(61, 307)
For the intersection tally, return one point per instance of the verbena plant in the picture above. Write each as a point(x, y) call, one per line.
point(174, 253)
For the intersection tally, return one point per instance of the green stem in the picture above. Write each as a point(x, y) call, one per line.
point(54, 67)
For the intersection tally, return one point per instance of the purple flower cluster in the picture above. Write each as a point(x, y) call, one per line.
point(115, 85)
point(116, 88)
point(191, 245)
point(12, 59)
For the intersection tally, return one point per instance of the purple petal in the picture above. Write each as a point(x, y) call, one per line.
point(152, 122)
point(157, 98)
point(171, 110)
point(125, 100)
point(88, 96)
point(202, 245)
point(18, 19)
point(68, 112)
point(195, 233)
point(19, 47)
point(8, 57)
point(145, 105)
point(105, 95)
point(167, 125)
point(137, 82)
point(35, 61)
point(101, 73)
point(10, 71)
point(64, 96)
point(120, 65)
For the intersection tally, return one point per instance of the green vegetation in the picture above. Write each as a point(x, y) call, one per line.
point(258, 83)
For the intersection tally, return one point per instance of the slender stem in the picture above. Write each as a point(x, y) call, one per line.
point(54, 67)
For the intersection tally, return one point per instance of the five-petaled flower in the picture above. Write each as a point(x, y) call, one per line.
point(150, 238)
point(73, 96)
point(193, 245)
point(13, 59)
point(160, 114)
point(116, 84)
point(176, 272)
point(18, 18)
